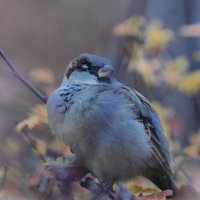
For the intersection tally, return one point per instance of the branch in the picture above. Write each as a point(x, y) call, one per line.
point(18, 75)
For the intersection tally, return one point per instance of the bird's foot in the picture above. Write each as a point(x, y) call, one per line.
point(99, 188)
point(105, 188)
point(92, 185)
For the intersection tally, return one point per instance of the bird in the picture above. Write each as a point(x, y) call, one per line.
point(112, 129)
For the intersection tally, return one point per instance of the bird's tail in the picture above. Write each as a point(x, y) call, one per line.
point(164, 182)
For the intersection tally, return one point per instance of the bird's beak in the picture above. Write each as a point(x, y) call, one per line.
point(105, 71)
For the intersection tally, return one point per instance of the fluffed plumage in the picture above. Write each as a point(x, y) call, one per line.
point(113, 130)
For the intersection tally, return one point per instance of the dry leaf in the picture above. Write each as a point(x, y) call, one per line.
point(144, 68)
point(131, 27)
point(174, 71)
point(141, 189)
point(41, 146)
point(42, 75)
point(157, 37)
point(59, 146)
point(190, 83)
point(37, 117)
point(159, 196)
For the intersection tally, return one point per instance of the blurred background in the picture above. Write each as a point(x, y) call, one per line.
point(154, 47)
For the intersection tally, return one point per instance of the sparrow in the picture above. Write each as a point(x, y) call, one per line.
point(113, 130)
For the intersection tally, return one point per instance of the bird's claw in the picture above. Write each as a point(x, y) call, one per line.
point(90, 184)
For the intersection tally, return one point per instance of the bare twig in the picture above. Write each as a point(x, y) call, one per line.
point(18, 75)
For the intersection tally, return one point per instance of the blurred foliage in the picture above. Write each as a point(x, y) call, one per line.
point(156, 37)
point(37, 117)
point(149, 42)
point(149, 58)
point(190, 83)
point(192, 30)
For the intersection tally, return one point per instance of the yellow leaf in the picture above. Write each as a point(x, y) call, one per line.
point(41, 146)
point(140, 189)
point(132, 27)
point(190, 83)
point(178, 65)
point(141, 185)
point(157, 37)
point(159, 196)
point(145, 68)
point(59, 146)
point(174, 70)
point(37, 117)
point(21, 125)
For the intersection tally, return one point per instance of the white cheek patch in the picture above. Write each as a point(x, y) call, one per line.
point(83, 77)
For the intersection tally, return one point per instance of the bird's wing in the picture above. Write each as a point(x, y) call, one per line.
point(146, 113)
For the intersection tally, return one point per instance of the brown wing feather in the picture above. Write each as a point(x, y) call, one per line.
point(147, 115)
point(144, 108)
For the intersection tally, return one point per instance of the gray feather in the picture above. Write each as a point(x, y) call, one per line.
point(113, 130)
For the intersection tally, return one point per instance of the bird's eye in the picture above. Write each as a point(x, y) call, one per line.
point(84, 67)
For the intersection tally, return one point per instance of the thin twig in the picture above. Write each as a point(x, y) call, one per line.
point(18, 75)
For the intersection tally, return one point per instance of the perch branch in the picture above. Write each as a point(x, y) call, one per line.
point(18, 75)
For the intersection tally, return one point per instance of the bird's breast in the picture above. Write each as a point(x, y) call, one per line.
point(66, 111)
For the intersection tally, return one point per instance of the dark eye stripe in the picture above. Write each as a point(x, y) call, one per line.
point(68, 73)
point(82, 66)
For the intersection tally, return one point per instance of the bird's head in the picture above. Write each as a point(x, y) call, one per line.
point(89, 69)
